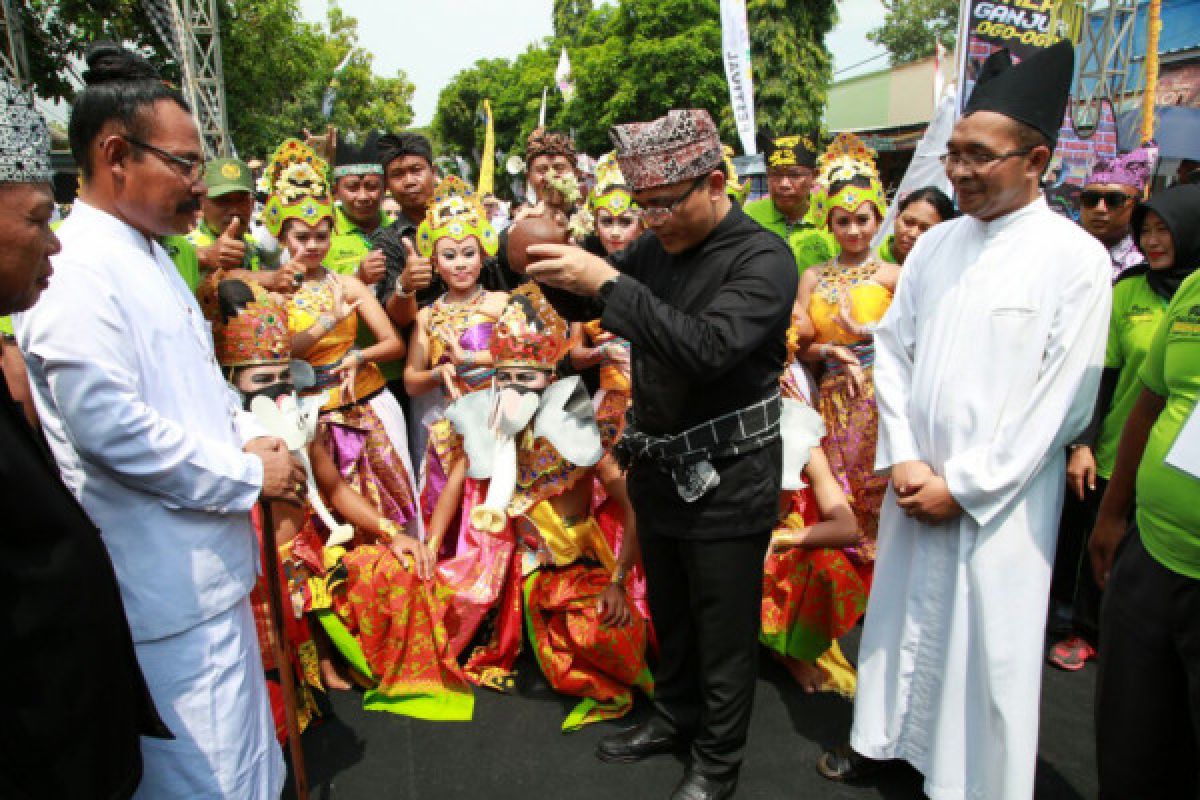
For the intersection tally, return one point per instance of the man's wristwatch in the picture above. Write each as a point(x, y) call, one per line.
point(606, 289)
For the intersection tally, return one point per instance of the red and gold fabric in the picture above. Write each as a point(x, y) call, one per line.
point(578, 654)
point(811, 596)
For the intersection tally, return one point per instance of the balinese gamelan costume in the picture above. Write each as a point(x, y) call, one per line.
point(545, 509)
point(852, 421)
point(613, 395)
point(382, 617)
point(248, 334)
point(811, 596)
point(455, 213)
point(368, 435)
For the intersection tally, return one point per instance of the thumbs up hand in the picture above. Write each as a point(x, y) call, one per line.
point(418, 271)
point(228, 251)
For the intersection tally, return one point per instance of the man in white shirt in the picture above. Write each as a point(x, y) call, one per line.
point(145, 433)
point(986, 366)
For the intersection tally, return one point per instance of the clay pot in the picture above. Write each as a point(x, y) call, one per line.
point(548, 228)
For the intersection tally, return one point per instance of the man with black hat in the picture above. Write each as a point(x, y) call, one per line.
point(705, 300)
point(358, 189)
point(784, 211)
point(986, 366)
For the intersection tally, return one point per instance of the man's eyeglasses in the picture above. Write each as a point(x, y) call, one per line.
point(976, 161)
point(190, 168)
point(658, 214)
point(1089, 198)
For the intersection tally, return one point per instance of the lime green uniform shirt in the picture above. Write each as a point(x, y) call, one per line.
point(349, 243)
point(809, 244)
point(183, 253)
point(6, 325)
point(346, 249)
point(202, 236)
point(1136, 311)
point(1168, 499)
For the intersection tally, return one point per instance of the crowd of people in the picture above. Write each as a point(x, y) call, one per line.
point(640, 428)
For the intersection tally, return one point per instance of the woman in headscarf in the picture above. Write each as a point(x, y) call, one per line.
point(1165, 228)
point(1147, 704)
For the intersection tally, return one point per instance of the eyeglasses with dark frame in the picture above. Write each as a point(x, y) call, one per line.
point(1090, 198)
point(978, 161)
point(192, 168)
point(656, 215)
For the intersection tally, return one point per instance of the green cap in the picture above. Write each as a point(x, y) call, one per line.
point(225, 175)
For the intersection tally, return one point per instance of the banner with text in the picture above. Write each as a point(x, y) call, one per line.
point(735, 46)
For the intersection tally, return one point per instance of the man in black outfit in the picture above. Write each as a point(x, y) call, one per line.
point(705, 300)
point(77, 701)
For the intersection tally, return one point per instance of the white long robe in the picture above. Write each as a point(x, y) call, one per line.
point(987, 364)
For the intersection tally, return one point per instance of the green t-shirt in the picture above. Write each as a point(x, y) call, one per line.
point(1168, 499)
point(6, 325)
point(349, 243)
point(183, 254)
point(347, 247)
point(1136, 311)
point(202, 236)
point(810, 245)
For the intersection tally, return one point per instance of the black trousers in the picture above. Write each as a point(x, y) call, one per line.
point(706, 600)
point(1148, 689)
point(1072, 583)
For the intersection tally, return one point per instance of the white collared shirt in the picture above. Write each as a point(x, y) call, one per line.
point(142, 423)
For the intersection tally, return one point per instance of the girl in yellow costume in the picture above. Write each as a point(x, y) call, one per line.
point(449, 354)
point(844, 298)
point(368, 438)
point(618, 223)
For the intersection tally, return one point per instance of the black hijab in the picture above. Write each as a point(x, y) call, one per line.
point(1179, 208)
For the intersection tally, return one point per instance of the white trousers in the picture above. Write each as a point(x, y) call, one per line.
point(210, 690)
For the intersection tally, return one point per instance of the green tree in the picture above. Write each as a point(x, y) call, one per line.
point(276, 65)
point(910, 28)
point(569, 18)
point(792, 67)
point(636, 59)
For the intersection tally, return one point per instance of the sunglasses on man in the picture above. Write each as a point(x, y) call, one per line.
point(1114, 199)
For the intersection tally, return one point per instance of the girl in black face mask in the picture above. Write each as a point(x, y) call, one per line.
point(1167, 230)
point(341, 588)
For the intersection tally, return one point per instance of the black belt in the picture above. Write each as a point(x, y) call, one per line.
point(688, 455)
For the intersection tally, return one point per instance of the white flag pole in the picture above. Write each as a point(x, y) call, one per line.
point(735, 47)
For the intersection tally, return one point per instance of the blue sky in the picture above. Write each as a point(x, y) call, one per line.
point(444, 36)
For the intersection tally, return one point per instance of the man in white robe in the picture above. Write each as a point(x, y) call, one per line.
point(144, 430)
point(986, 366)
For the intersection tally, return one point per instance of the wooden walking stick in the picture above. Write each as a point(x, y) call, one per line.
point(287, 678)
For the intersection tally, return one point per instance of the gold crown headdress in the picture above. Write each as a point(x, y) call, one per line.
point(250, 333)
point(455, 212)
point(529, 333)
point(610, 192)
point(846, 158)
point(295, 178)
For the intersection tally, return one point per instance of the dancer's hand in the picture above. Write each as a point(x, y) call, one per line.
point(449, 375)
point(613, 607)
point(406, 547)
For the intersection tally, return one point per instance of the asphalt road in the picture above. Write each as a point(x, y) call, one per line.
point(514, 749)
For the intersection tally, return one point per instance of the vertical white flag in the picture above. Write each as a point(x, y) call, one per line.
point(562, 77)
point(735, 47)
point(542, 112)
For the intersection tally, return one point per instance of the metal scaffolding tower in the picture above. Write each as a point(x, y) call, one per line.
point(191, 31)
point(13, 58)
point(1105, 54)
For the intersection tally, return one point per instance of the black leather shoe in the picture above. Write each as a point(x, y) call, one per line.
point(695, 786)
point(843, 765)
point(651, 738)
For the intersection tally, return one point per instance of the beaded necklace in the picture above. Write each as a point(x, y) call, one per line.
point(834, 278)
